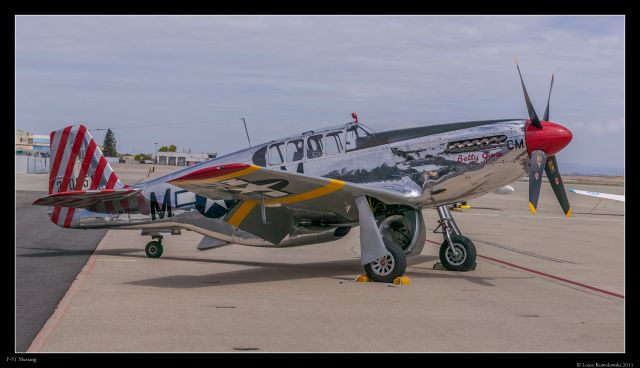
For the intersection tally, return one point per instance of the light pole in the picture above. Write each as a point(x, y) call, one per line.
point(155, 155)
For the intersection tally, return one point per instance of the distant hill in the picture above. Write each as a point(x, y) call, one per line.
point(579, 169)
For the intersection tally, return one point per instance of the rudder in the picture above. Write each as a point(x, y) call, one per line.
point(77, 164)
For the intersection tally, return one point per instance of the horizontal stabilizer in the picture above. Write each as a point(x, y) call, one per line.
point(107, 200)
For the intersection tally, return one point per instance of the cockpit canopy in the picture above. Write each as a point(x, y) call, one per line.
point(312, 145)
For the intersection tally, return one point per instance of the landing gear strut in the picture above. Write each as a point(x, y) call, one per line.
point(457, 252)
point(382, 262)
point(154, 248)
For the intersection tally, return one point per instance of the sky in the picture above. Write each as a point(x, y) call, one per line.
point(187, 80)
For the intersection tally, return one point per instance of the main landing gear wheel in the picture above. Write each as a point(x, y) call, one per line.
point(153, 249)
point(464, 256)
point(387, 268)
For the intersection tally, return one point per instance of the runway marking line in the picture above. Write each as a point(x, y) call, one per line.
point(546, 274)
point(40, 341)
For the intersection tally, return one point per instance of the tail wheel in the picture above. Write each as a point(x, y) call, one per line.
point(153, 249)
point(463, 258)
point(387, 268)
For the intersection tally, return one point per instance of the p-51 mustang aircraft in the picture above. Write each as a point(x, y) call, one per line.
point(315, 186)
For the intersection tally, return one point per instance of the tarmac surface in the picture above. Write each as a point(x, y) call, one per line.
point(542, 283)
point(48, 258)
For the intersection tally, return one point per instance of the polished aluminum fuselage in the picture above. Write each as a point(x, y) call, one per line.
point(430, 167)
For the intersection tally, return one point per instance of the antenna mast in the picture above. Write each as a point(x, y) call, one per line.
point(246, 131)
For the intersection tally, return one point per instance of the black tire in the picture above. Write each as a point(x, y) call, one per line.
point(465, 261)
point(379, 273)
point(153, 249)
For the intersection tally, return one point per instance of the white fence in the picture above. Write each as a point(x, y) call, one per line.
point(31, 165)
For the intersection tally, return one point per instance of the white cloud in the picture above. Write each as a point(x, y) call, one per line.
point(606, 127)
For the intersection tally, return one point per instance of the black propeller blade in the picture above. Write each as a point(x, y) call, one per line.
point(536, 167)
point(546, 111)
point(532, 112)
point(551, 168)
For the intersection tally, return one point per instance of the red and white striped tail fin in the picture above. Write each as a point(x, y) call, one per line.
point(77, 164)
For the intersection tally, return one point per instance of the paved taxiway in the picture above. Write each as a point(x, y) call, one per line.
point(48, 258)
point(569, 298)
point(47, 261)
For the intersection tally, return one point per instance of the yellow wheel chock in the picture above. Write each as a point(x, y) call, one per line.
point(402, 280)
point(362, 278)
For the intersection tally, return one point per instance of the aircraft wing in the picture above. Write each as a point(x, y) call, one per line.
point(615, 197)
point(90, 199)
point(287, 198)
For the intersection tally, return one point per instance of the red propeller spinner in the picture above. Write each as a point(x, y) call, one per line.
point(550, 139)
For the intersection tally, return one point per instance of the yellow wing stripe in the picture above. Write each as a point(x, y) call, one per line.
point(242, 212)
point(319, 192)
point(248, 170)
point(245, 208)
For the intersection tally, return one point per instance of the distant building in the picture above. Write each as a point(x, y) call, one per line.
point(128, 159)
point(24, 140)
point(41, 142)
point(182, 158)
point(30, 144)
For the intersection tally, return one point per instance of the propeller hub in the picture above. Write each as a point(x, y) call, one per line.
point(550, 139)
